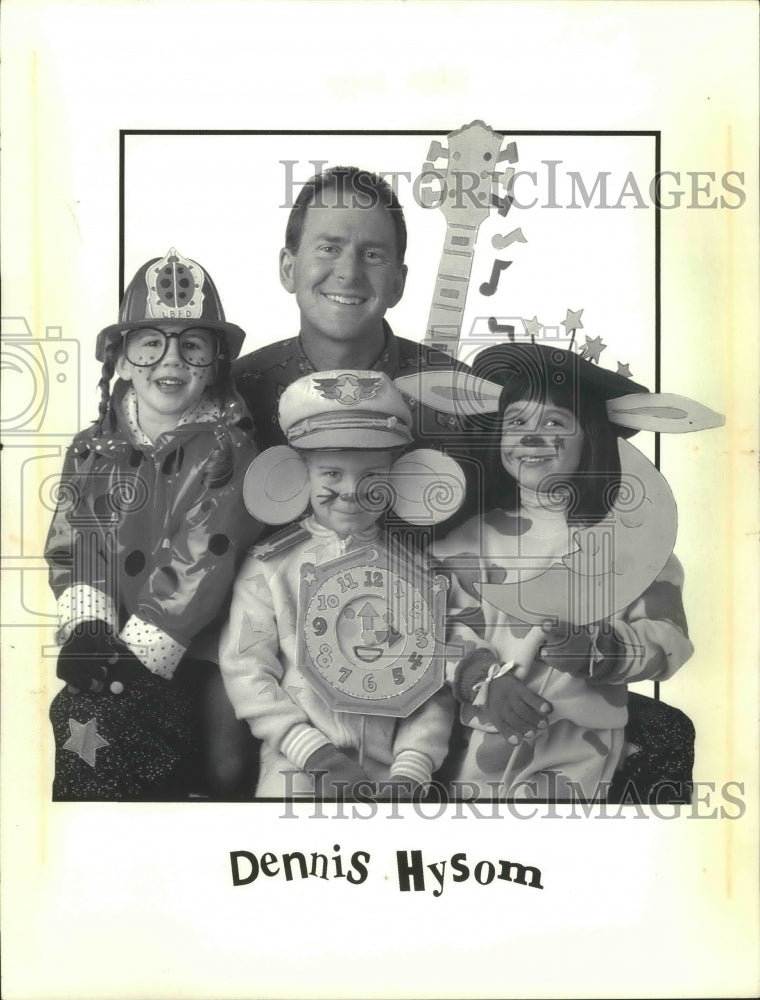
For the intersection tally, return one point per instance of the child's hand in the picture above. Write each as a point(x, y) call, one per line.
point(568, 648)
point(335, 774)
point(125, 669)
point(94, 660)
point(515, 710)
point(83, 659)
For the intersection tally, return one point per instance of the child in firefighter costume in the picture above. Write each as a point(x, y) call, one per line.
point(143, 549)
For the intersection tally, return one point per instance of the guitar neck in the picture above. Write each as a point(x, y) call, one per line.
point(444, 323)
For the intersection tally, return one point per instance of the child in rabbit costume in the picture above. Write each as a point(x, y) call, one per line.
point(567, 588)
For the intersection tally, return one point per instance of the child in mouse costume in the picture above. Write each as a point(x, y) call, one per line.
point(346, 430)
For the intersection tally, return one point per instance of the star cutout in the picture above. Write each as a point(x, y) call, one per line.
point(84, 740)
point(309, 576)
point(347, 390)
point(572, 321)
point(592, 349)
point(532, 326)
point(624, 370)
point(248, 635)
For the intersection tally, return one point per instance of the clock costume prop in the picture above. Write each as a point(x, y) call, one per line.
point(336, 637)
point(372, 633)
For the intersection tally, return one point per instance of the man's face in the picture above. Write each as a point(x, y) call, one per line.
point(341, 484)
point(345, 273)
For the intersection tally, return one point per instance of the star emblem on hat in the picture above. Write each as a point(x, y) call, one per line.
point(347, 389)
point(85, 740)
point(624, 369)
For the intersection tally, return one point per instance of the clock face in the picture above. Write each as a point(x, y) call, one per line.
point(371, 634)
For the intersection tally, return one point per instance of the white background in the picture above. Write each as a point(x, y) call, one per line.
point(136, 901)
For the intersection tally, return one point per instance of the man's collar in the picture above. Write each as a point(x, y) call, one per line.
point(387, 361)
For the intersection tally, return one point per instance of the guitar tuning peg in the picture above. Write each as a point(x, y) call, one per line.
point(503, 204)
point(429, 198)
point(437, 151)
point(509, 153)
point(505, 178)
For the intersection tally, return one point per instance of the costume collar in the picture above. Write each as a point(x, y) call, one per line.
point(205, 412)
point(318, 530)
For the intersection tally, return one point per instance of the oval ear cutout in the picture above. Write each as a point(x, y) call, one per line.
point(663, 412)
point(276, 486)
point(452, 392)
point(428, 486)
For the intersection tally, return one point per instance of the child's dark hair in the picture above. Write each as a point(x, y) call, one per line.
point(594, 486)
point(358, 189)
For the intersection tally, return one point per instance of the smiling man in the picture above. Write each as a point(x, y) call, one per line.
point(344, 261)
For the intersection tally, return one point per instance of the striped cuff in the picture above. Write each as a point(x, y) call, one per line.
point(81, 603)
point(153, 648)
point(301, 742)
point(413, 764)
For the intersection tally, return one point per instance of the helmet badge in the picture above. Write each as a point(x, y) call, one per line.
point(175, 288)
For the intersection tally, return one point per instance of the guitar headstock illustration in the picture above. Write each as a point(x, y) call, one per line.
point(467, 196)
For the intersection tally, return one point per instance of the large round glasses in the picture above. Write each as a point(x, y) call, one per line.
point(198, 346)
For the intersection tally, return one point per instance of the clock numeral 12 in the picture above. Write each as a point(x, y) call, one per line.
point(373, 578)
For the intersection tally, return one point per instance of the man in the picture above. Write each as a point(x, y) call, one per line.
point(344, 261)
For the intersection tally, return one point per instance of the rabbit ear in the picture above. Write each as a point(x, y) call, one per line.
point(452, 392)
point(427, 486)
point(663, 412)
point(276, 486)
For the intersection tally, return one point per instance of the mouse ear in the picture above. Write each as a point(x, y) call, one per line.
point(428, 486)
point(452, 392)
point(663, 412)
point(276, 486)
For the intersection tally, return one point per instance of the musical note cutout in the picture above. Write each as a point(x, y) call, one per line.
point(496, 327)
point(489, 287)
point(499, 242)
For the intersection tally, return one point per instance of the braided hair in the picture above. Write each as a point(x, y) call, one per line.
point(115, 348)
point(220, 466)
point(112, 352)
